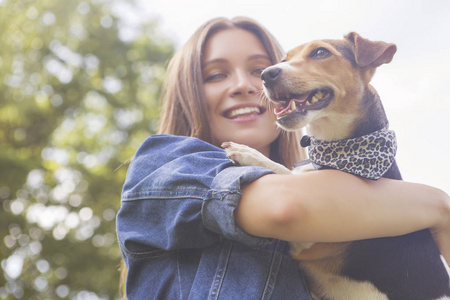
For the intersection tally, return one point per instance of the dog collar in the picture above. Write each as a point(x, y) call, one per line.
point(368, 156)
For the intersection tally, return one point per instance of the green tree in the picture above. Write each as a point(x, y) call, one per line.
point(78, 94)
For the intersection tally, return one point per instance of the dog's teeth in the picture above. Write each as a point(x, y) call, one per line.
point(319, 95)
point(293, 106)
point(314, 99)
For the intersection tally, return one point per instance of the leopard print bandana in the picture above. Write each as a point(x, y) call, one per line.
point(368, 156)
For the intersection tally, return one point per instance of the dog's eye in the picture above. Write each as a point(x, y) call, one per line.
point(320, 53)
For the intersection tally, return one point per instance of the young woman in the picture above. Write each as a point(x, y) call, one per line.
point(194, 226)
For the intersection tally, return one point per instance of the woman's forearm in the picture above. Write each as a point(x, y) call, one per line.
point(331, 206)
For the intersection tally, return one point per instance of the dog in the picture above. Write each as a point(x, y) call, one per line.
point(325, 84)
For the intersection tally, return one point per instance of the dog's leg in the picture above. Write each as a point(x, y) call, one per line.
point(246, 156)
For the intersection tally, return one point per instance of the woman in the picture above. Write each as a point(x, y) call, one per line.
point(194, 226)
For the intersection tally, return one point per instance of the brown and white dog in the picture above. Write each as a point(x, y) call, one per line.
point(325, 84)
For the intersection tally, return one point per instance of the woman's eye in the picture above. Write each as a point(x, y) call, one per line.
point(214, 77)
point(320, 53)
point(258, 71)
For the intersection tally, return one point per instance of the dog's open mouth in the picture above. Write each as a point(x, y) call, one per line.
point(287, 103)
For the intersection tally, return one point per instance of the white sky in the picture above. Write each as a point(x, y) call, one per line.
point(413, 87)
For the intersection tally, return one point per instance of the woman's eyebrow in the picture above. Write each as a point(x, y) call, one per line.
point(213, 61)
point(222, 60)
point(259, 56)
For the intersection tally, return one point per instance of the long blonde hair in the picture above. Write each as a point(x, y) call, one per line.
point(184, 109)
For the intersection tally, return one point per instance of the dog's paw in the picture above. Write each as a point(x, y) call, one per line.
point(244, 155)
point(298, 247)
point(247, 156)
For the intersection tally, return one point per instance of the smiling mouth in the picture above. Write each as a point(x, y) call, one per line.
point(287, 103)
point(244, 112)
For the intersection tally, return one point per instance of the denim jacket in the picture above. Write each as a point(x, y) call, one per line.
point(177, 232)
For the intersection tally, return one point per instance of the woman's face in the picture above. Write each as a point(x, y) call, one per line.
point(231, 67)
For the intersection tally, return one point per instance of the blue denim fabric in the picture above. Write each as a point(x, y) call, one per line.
point(177, 232)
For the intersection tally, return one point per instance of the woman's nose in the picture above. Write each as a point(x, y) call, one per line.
point(243, 84)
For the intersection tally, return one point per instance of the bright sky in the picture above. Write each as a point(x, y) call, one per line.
point(412, 87)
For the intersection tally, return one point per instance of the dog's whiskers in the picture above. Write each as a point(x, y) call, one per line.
point(263, 100)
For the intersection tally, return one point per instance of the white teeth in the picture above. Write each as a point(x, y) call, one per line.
point(319, 95)
point(316, 98)
point(243, 111)
point(293, 106)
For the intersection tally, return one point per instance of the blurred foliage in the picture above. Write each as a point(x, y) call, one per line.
point(79, 87)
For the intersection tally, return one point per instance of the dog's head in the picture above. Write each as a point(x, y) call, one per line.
point(322, 83)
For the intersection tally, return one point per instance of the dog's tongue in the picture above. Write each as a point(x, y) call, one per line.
point(302, 98)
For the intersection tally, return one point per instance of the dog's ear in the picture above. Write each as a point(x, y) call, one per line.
point(369, 53)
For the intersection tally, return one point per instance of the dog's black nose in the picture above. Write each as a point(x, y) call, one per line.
point(270, 76)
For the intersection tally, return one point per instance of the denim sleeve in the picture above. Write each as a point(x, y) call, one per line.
point(181, 192)
point(218, 208)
